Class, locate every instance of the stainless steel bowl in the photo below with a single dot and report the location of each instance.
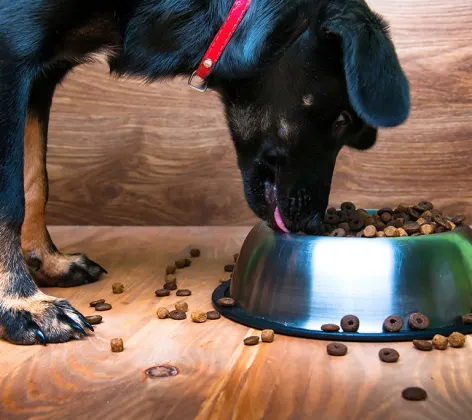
(295, 283)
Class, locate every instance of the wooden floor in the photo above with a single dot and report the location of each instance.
(219, 377)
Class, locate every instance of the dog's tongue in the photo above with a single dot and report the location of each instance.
(279, 221)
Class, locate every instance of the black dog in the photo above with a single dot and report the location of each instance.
(299, 79)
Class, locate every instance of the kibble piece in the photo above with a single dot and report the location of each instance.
(440, 342)
(467, 319)
(442, 221)
(384, 210)
(426, 229)
(251, 341)
(427, 214)
(178, 315)
(423, 345)
(116, 345)
(421, 221)
(401, 232)
(386, 217)
(350, 323)
(330, 328)
(336, 349)
(380, 234)
(94, 319)
(363, 214)
(458, 219)
(338, 232)
(380, 226)
(162, 313)
(170, 269)
(97, 302)
(235, 257)
(331, 219)
(356, 224)
(118, 288)
(213, 315)
(162, 292)
(414, 214)
(103, 307)
(393, 323)
(195, 252)
(402, 208)
(389, 355)
(226, 301)
(370, 221)
(370, 231)
(183, 292)
(229, 268)
(348, 206)
(267, 336)
(199, 317)
(456, 339)
(452, 226)
(391, 232)
(170, 286)
(170, 278)
(398, 223)
(188, 262)
(414, 394)
(331, 210)
(418, 321)
(180, 263)
(344, 226)
(181, 306)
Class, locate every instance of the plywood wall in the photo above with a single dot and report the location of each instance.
(124, 153)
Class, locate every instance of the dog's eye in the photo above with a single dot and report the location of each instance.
(341, 124)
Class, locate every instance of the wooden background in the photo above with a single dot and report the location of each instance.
(125, 153)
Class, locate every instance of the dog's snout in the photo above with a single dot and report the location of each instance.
(274, 158)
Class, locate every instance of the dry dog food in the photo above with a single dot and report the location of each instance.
(251, 341)
(336, 349)
(188, 262)
(267, 336)
(393, 323)
(226, 301)
(330, 328)
(229, 268)
(389, 355)
(116, 345)
(456, 339)
(118, 288)
(103, 307)
(94, 319)
(213, 315)
(181, 306)
(418, 321)
(420, 219)
(170, 269)
(414, 394)
(199, 317)
(162, 292)
(97, 302)
(180, 263)
(170, 278)
(423, 345)
(467, 319)
(350, 323)
(178, 315)
(440, 342)
(195, 252)
(183, 292)
(170, 286)
(162, 313)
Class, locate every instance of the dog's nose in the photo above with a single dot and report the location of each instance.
(274, 158)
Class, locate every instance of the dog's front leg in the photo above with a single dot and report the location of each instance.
(27, 316)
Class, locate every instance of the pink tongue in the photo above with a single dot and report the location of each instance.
(279, 221)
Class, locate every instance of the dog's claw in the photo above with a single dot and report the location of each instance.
(77, 327)
(40, 336)
(101, 268)
(86, 323)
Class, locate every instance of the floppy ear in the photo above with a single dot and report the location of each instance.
(378, 89)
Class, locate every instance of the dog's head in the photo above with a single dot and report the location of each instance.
(331, 86)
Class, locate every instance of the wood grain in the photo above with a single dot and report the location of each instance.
(219, 377)
(125, 153)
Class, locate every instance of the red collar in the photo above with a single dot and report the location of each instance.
(218, 45)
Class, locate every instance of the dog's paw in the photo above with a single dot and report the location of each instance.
(54, 269)
(40, 319)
